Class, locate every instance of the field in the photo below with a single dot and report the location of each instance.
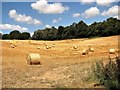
(62, 65)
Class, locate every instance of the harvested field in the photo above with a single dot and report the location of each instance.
(61, 66)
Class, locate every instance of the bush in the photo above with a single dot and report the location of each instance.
(108, 74)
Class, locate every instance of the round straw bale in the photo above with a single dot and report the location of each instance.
(33, 58)
(47, 47)
(12, 46)
(68, 41)
(84, 52)
(45, 43)
(15, 44)
(91, 49)
(50, 47)
(53, 45)
(29, 42)
(38, 47)
(75, 47)
(112, 51)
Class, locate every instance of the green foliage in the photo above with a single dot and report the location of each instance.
(16, 35)
(46, 34)
(0, 35)
(109, 74)
(25, 35)
(80, 30)
(5, 36)
(60, 32)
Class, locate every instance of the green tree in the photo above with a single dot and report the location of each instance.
(81, 29)
(5, 36)
(108, 27)
(0, 35)
(15, 34)
(59, 32)
(25, 35)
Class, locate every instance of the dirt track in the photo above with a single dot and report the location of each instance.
(62, 66)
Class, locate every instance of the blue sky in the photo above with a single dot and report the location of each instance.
(41, 15)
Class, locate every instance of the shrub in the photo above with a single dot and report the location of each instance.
(108, 74)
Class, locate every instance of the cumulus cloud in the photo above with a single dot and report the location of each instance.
(99, 2)
(75, 15)
(105, 2)
(48, 26)
(42, 6)
(87, 1)
(113, 11)
(23, 18)
(91, 12)
(57, 20)
(12, 27)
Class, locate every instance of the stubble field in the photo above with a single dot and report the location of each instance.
(61, 66)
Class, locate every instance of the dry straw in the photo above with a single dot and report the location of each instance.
(12, 46)
(33, 59)
(38, 47)
(112, 51)
(75, 47)
(91, 49)
(85, 52)
(47, 47)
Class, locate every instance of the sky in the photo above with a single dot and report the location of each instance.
(31, 16)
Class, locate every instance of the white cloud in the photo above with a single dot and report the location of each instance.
(75, 15)
(91, 12)
(48, 26)
(118, 17)
(113, 11)
(42, 6)
(57, 20)
(12, 27)
(105, 2)
(99, 2)
(87, 1)
(23, 18)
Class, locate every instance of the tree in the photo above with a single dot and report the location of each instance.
(0, 35)
(15, 34)
(25, 35)
(59, 32)
(38, 35)
(5, 36)
(80, 30)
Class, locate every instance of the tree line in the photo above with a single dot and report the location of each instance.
(17, 35)
(80, 30)
(108, 27)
